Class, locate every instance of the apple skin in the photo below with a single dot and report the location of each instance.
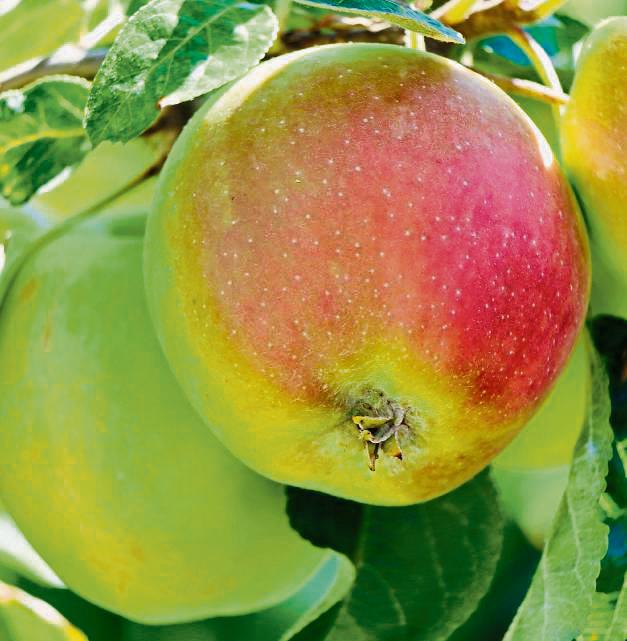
(361, 224)
(105, 467)
(594, 148)
(531, 473)
(548, 439)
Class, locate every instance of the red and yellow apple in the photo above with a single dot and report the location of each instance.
(366, 270)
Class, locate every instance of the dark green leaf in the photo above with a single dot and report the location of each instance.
(41, 134)
(135, 5)
(394, 12)
(171, 51)
(421, 570)
(614, 564)
(563, 588)
(326, 521)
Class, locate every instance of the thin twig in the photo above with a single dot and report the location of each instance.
(540, 60)
(527, 88)
(85, 67)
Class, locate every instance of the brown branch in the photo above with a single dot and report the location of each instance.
(85, 67)
(527, 88)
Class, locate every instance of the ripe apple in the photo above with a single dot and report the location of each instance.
(366, 270)
(594, 145)
(105, 467)
(531, 473)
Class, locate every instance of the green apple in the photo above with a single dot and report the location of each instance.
(105, 467)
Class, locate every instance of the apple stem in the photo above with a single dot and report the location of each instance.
(526, 88)
(377, 428)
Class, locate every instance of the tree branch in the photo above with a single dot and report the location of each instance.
(85, 67)
(527, 88)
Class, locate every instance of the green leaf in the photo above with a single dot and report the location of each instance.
(607, 620)
(134, 5)
(17, 555)
(171, 51)
(35, 28)
(617, 630)
(24, 618)
(561, 593)
(394, 12)
(41, 134)
(420, 570)
(279, 623)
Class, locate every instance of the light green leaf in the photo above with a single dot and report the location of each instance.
(420, 570)
(41, 134)
(394, 12)
(607, 620)
(24, 618)
(171, 51)
(561, 594)
(617, 630)
(34, 28)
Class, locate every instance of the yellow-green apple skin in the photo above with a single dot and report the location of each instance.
(359, 232)
(105, 467)
(531, 473)
(594, 149)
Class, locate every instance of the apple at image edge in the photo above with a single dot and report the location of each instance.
(105, 467)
